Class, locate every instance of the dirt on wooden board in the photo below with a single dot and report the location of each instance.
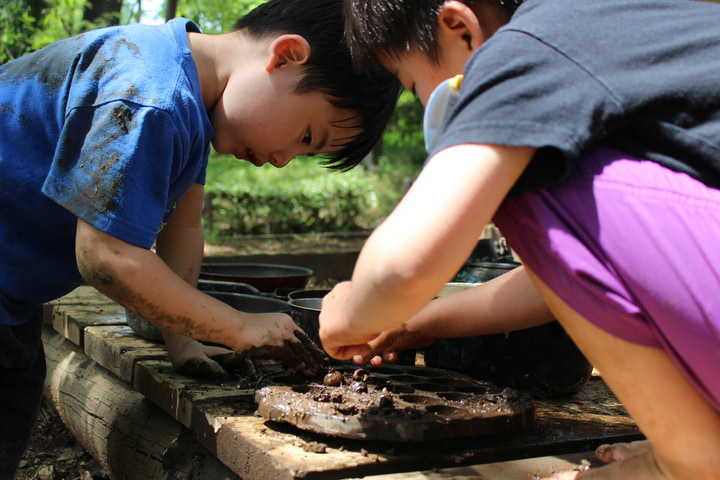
(54, 454)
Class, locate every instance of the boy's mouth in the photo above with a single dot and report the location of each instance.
(249, 155)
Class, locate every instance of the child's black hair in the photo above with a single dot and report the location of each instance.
(330, 70)
(390, 27)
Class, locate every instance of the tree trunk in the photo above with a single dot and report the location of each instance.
(103, 12)
(170, 9)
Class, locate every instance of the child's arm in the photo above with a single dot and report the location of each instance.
(139, 280)
(490, 308)
(421, 245)
(180, 245)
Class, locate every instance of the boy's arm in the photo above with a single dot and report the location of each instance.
(180, 245)
(421, 245)
(138, 279)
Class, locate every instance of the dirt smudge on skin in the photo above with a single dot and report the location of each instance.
(303, 355)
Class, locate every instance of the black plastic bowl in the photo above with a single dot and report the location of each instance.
(306, 314)
(542, 360)
(299, 294)
(252, 303)
(263, 276)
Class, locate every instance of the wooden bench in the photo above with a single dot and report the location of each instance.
(120, 396)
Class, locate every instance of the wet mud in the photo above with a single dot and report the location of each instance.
(395, 403)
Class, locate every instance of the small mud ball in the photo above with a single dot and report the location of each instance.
(358, 387)
(333, 378)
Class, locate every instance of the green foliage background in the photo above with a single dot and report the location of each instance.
(241, 198)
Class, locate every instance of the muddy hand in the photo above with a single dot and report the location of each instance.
(235, 363)
(302, 355)
(199, 360)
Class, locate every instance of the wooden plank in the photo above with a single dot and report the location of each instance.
(591, 418)
(530, 468)
(84, 295)
(83, 307)
(244, 443)
(76, 320)
(178, 394)
(118, 349)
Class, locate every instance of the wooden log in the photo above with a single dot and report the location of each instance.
(128, 435)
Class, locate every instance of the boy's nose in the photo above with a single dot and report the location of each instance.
(279, 160)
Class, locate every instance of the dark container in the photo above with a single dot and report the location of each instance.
(263, 276)
(542, 360)
(229, 287)
(297, 294)
(306, 314)
(252, 303)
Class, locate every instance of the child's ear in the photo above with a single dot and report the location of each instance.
(459, 22)
(287, 49)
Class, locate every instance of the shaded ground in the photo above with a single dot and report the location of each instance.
(54, 454)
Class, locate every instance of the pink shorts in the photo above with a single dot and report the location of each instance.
(634, 248)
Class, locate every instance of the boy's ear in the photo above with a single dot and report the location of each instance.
(287, 49)
(458, 22)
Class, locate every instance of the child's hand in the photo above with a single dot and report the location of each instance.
(385, 347)
(197, 359)
(276, 336)
(338, 336)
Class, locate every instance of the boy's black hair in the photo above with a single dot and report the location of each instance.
(330, 70)
(390, 27)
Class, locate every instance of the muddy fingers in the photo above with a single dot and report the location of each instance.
(302, 355)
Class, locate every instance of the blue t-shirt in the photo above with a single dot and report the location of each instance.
(109, 127)
(565, 76)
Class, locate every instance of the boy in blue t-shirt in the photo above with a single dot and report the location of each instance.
(589, 132)
(104, 145)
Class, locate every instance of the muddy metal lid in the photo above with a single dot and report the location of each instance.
(396, 403)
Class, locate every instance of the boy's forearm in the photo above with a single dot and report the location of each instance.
(180, 245)
(139, 280)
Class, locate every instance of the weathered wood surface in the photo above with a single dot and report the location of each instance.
(83, 307)
(221, 417)
(130, 437)
(515, 470)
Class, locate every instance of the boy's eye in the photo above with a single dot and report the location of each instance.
(307, 139)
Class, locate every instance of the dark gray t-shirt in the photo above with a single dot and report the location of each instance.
(565, 76)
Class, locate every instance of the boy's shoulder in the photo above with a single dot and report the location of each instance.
(145, 64)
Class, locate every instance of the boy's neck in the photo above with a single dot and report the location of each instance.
(216, 57)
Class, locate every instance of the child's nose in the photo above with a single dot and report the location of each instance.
(279, 160)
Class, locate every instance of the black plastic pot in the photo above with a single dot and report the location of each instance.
(265, 277)
(306, 314)
(229, 287)
(542, 361)
(297, 294)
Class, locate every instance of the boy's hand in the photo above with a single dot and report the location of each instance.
(199, 360)
(275, 336)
